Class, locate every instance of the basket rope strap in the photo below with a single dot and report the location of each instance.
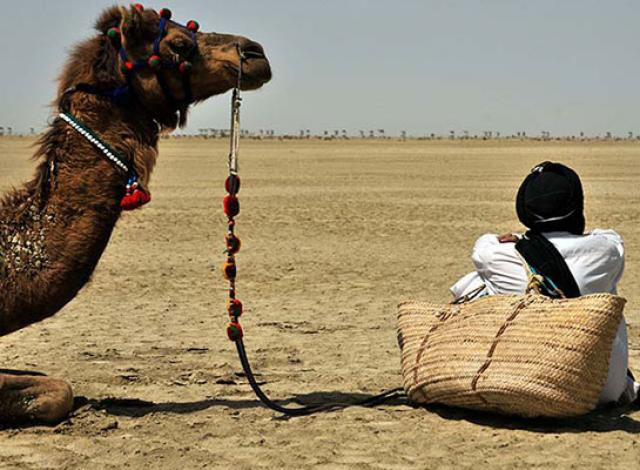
(483, 368)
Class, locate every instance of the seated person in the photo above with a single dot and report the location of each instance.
(550, 203)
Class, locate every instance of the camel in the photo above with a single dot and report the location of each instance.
(127, 84)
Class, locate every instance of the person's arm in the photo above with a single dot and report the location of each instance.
(466, 285)
(499, 266)
(612, 244)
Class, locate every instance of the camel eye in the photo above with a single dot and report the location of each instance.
(182, 48)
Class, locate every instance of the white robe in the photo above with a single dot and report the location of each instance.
(596, 261)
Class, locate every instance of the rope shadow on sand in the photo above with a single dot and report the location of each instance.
(136, 408)
(602, 420)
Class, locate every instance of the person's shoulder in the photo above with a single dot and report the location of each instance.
(488, 249)
(607, 239)
(605, 234)
(488, 239)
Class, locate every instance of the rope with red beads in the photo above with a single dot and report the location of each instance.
(231, 206)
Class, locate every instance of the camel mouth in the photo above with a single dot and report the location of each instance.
(256, 71)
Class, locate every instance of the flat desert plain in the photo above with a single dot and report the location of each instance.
(335, 234)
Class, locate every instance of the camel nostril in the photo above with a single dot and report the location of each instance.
(252, 49)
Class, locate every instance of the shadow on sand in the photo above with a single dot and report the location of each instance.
(601, 420)
(133, 407)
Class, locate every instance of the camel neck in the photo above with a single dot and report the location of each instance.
(54, 229)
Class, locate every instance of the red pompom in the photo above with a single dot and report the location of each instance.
(155, 62)
(231, 205)
(139, 6)
(114, 34)
(234, 331)
(232, 184)
(229, 269)
(193, 26)
(134, 200)
(165, 13)
(234, 307)
(126, 67)
(233, 243)
(185, 67)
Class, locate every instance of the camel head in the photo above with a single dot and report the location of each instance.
(169, 65)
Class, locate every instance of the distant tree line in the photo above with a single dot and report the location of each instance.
(378, 134)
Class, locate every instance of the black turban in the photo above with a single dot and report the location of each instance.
(551, 200)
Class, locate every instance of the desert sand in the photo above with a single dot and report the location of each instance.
(335, 234)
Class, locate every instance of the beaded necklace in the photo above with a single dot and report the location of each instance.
(134, 196)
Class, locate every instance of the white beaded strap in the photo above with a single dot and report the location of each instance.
(107, 151)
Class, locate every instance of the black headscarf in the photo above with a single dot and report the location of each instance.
(551, 199)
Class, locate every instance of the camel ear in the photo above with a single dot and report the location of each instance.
(108, 19)
(132, 23)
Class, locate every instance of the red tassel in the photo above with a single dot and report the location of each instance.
(134, 200)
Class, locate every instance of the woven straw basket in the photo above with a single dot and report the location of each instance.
(525, 355)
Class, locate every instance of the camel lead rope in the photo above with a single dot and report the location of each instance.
(231, 207)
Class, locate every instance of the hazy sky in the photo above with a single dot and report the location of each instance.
(424, 66)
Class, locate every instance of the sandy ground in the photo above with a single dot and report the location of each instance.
(335, 235)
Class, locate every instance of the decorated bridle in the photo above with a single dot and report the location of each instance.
(155, 61)
(135, 196)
